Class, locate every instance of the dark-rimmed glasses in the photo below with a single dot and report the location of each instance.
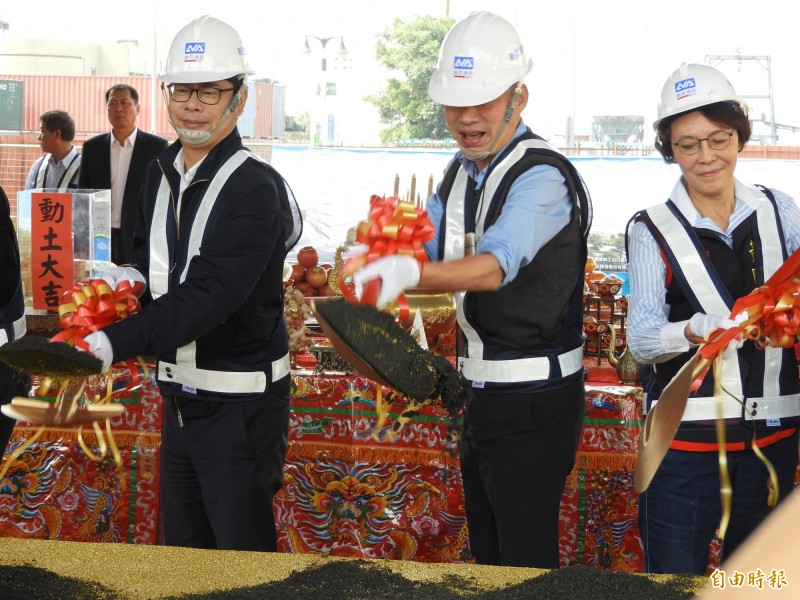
(206, 94)
(718, 140)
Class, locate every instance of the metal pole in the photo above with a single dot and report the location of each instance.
(154, 80)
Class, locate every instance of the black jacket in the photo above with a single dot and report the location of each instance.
(95, 174)
(231, 302)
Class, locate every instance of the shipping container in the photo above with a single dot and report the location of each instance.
(84, 98)
(264, 109)
(11, 99)
(279, 112)
(247, 121)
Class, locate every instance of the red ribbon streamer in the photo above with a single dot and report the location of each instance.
(91, 306)
(773, 313)
(393, 227)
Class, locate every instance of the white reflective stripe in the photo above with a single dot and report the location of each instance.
(225, 382)
(490, 184)
(454, 230)
(19, 327)
(474, 341)
(69, 174)
(185, 355)
(42, 172)
(705, 408)
(523, 369)
(571, 362)
(691, 265)
(772, 257)
(207, 204)
(159, 249)
(773, 360)
(281, 367)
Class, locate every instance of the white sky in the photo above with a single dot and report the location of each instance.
(601, 57)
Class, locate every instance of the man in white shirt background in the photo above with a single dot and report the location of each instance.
(58, 167)
(117, 161)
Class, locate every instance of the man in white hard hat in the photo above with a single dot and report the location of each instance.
(215, 224)
(511, 217)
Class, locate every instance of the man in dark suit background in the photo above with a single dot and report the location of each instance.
(117, 161)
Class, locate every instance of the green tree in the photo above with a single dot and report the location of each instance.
(410, 49)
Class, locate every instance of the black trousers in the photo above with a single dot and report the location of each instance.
(516, 453)
(221, 469)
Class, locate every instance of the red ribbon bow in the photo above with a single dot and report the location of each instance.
(393, 227)
(773, 313)
(91, 306)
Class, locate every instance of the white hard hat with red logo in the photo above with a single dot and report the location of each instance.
(480, 58)
(691, 86)
(206, 49)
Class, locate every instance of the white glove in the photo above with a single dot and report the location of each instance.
(701, 326)
(100, 347)
(397, 273)
(115, 275)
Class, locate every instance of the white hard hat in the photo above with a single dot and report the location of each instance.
(691, 86)
(205, 50)
(480, 58)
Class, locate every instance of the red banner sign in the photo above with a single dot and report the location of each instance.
(51, 248)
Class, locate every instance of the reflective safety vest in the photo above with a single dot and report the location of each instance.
(762, 389)
(517, 358)
(185, 371)
(68, 180)
(12, 318)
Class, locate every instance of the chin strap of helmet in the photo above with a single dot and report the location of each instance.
(501, 129)
(194, 136)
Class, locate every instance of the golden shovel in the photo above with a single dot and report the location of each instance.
(663, 420)
(66, 410)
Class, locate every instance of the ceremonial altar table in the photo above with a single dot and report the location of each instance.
(345, 493)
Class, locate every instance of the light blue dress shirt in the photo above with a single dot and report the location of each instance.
(538, 206)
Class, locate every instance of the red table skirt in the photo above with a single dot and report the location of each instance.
(345, 493)
(53, 490)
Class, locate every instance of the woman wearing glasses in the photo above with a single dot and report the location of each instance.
(713, 241)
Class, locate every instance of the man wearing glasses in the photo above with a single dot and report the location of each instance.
(117, 161)
(714, 241)
(215, 224)
(58, 167)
